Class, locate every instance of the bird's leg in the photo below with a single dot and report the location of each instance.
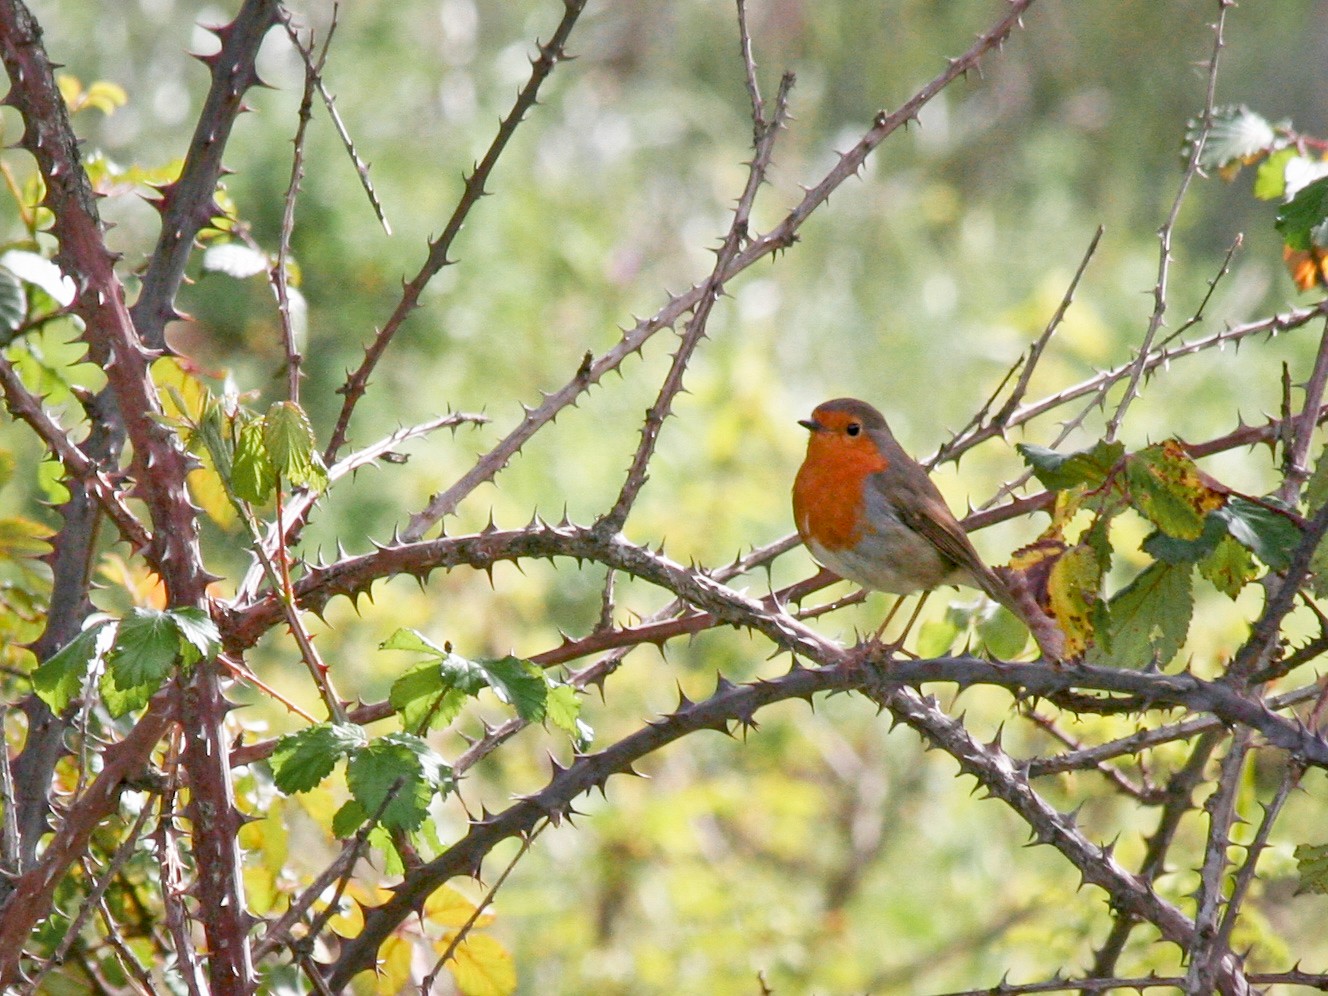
(897, 645)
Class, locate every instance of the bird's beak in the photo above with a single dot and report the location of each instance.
(811, 425)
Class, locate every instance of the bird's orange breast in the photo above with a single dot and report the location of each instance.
(827, 493)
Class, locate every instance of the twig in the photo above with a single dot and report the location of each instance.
(315, 73)
(550, 54)
(1295, 458)
(1164, 234)
(426, 986)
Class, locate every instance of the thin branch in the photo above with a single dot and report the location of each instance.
(1168, 227)
(550, 54)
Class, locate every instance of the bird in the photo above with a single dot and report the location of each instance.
(871, 513)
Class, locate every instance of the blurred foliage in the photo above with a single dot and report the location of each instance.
(822, 853)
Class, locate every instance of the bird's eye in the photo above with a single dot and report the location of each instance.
(853, 428)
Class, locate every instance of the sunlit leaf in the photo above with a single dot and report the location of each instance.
(22, 538)
(1236, 135)
(1058, 471)
(199, 638)
(520, 684)
(481, 966)
(59, 679)
(425, 698)
(289, 440)
(1270, 181)
(448, 908)
(395, 777)
(146, 647)
(303, 759)
(252, 475)
(35, 269)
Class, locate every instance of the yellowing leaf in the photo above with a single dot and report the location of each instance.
(449, 908)
(1072, 590)
(394, 959)
(1170, 491)
(482, 967)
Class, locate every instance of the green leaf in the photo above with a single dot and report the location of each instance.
(199, 638)
(520, 684)
(1270, 534)
(1175, 550)
(252, 474)
(303, 759)
(120, 700)
(1167, 489)
(1149, 619)
(1312, 864)
(348, 819)
(1270, 181)
(395, 777)
(146, 647)
(414, 642)
(426, 698)
(1301, 219)
(1230, 567)
(1059, 472)
(59, 679)
(563, 707)
(289, 439)
(13, 302)
(1002, 634)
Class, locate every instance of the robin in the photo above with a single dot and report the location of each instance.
(870, 513)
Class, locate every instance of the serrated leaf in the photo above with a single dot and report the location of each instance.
(395, 777)
(146, 647)
(1272, 535)
(199, 638)
(1150, 618)
(40, 272)
(414, 642)
(481, 966)
(289, 439)
(1312, 866)
(520, 684)
(234, 259)
(13, 302)
(59, 679)
(427, 698)
(1236, 135)
(446, 907)
(252, 474)
(121, 700)
(303, 759)
(1270, 180)
(1072, 591)
(1230, 567)
(1300, 172)
(1167, 488)
(1058, 471)
(1300, 219)
(562, 707)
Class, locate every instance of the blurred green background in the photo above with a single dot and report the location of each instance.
(818, 851)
